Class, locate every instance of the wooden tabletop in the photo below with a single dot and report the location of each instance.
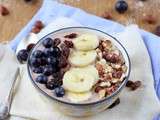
(21, 13)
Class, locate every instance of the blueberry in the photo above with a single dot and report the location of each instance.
(48, 42)
(37, 70)
(52, 61)
(48, 52)
(38, 54)
(42, 79)
(43, 61)
(48, 70)
(35, 62)
(56, 69)
(22, 55)
(121, 6)
(59, 91)
(56, 52)
(54, 83)
(58, 75)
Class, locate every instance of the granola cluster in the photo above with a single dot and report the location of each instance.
(111, 68)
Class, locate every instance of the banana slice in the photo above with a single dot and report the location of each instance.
(75, 80)
(78, 97)
(86, 42)
(91, 70)
(81, 58)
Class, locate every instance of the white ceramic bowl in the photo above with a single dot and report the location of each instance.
(82, 109)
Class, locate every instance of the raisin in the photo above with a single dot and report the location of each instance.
(69, 43)
(129, 83)
(117, 74)
(133, 85)
(98, 88)
(35, 30)
(65, 50)
(58, 75)
(150, 19)
(111, 57)
(39, 24)
(30, 46)
(63, 62)
(107, 15)
(56, 41)
(3, 10)
(71, 36)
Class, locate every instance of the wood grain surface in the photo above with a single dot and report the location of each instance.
(21, 13)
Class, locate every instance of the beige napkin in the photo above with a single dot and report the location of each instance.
(141, 104)
(8, 67)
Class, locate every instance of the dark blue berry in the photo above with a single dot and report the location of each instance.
(38, 70)
(53, 83)
(58, 75)
(48, 42)
(42, 79)
(121, 6)
(52, 61)
(22, 55)
(59, 91)
(48, 70)
(48, 52)
(56, 52)
(35, 62)
(38, 54)
(43, 61)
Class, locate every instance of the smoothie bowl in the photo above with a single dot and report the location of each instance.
(80, 71)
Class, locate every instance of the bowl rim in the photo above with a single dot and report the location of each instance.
(81, 104)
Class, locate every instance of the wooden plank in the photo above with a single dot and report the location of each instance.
(21, 13)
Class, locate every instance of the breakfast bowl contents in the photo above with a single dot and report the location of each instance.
(80, 70)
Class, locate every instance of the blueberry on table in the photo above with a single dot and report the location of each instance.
(52, 61)
(121, 6)
(38, 70)
(59, 91)
(42, 79)
(22, 55)
(48, 70)
(48, 42)
(38, 54)
(35, 62)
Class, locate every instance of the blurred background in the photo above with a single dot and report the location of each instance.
(145, 13)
